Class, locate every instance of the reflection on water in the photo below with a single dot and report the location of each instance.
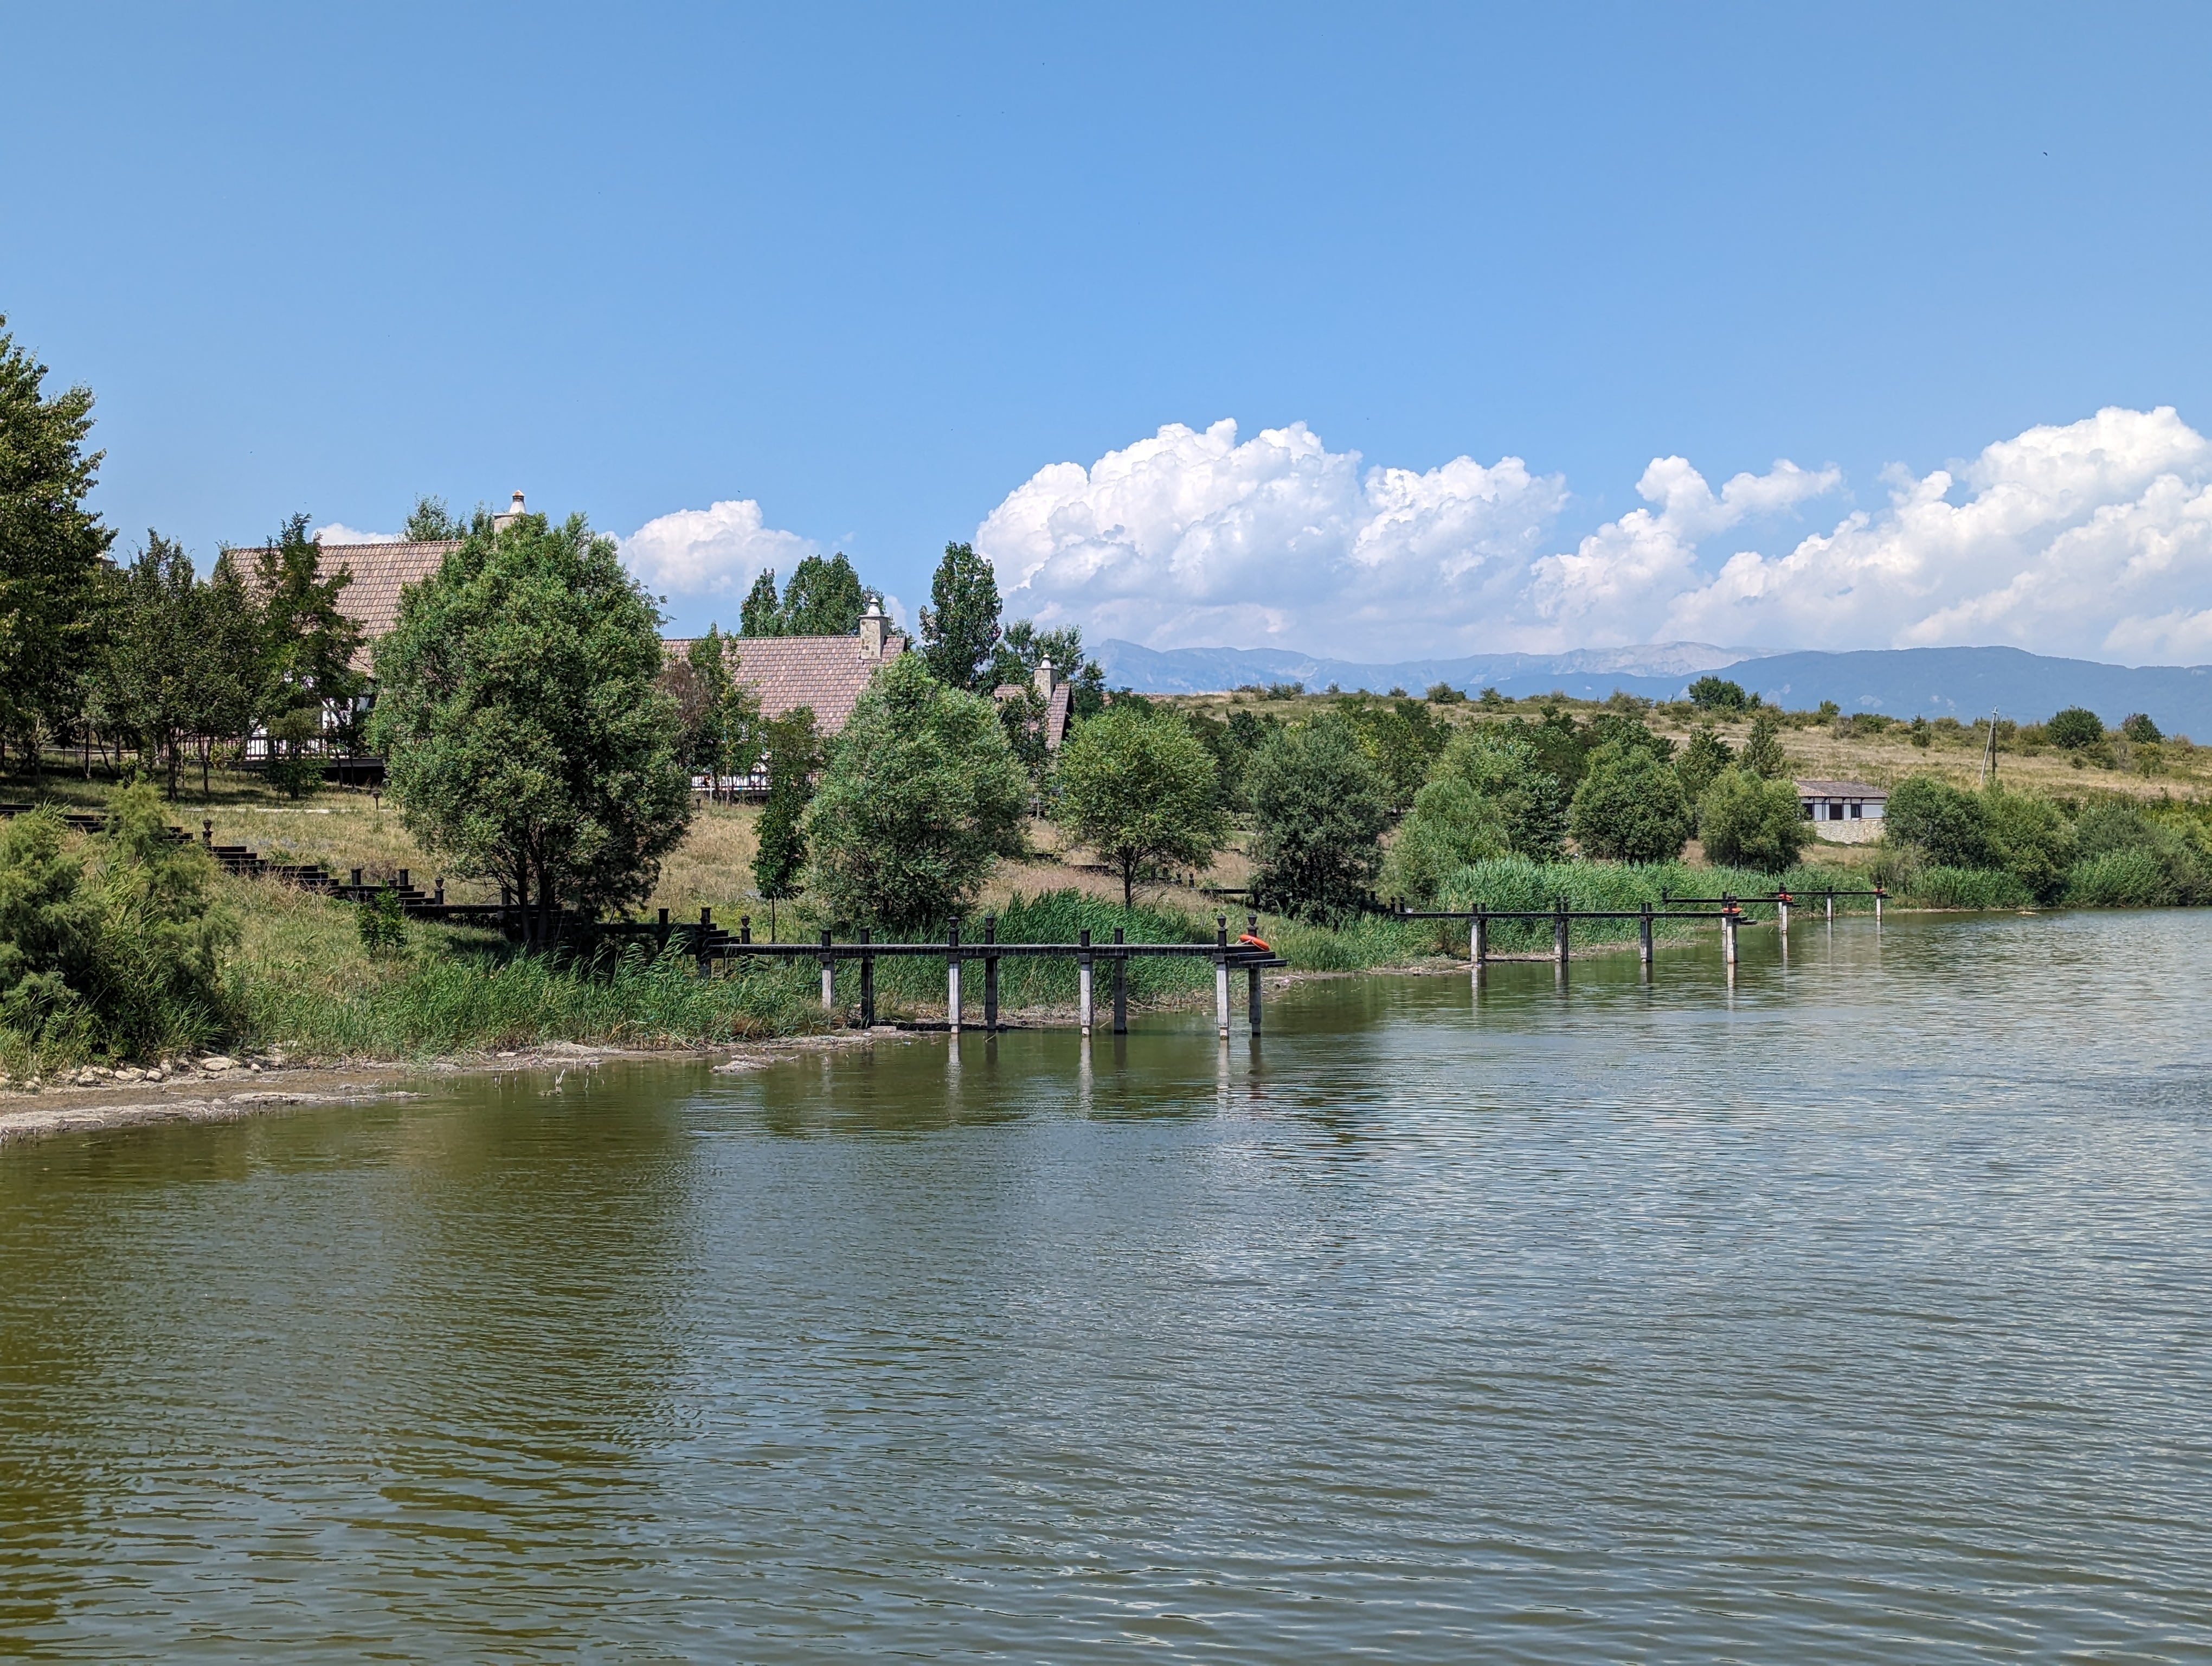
(1856, 1311)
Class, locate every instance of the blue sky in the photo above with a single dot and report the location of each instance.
(871, 271)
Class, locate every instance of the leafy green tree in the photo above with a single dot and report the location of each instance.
(960, 627)
(1627, 727)
(1557, 743)
(2139, 728)
(1630, 807)
(1499, 765)
(50, 547)
(1451, 825)
(431, 522)
(1718, 694)
(49, 926)
(1946, 827)
(309, 684)
(794, 760)
(1747, 821)
(826, 598)
(1319, 811)
(1702, 761)
(1762, 749)
(1025, 647)
(1402, 740)
(921, 797)
(231, 667)
(1141, 788)
(2029, 839)
(2075, 727)
(148, 684)
(719, 717)
(761, 614)
(524, 738)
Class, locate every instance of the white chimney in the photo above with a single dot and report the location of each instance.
(514, 513)
(1043, 678)
(872, 632)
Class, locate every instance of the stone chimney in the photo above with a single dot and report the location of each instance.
(514, 513)
(1043, 678)
(872, 632)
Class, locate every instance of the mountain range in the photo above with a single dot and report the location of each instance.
(1965, 683)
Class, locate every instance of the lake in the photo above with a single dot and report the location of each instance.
(1862, 1311)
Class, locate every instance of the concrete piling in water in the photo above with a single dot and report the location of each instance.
(1832, 908)
(1643, 940)
(990, 976)
(829, 976)
(1728, 932)
(1120, 986)
(1478, 945)
(1877, 905)
(953, 978)
(1782, 902)
(1221, 974)
(1082, 980)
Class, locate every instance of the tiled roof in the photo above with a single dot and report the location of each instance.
(1839, 789)
(829, 673)
(380, 572)
(1055, 710)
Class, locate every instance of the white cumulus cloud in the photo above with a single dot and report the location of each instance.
(2092, 537)
(1190, 538)
(338, 533)
(715, 551)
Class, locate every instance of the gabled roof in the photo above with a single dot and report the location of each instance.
(1839, 789)
(379, 572)
(829, 673)
(1055, 710)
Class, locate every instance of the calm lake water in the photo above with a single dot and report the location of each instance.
(1864, 1313)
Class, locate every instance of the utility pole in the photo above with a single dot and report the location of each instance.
(1990, 753)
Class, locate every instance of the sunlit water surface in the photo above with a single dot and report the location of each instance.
(1859, 1314)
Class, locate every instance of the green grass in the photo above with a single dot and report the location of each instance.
(1514, 883)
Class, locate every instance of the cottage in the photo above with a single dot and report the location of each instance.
(1054, 693)
(829, 673)
(1844, 812)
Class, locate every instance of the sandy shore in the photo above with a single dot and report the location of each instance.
(226, 1096)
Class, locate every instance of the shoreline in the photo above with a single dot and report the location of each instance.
(251, 1089)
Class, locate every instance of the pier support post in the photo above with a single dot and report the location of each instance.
(706, 966)
(1221, 975)
(1559, 930)
(1781, 902)
(1477, 945)
(1878, 894)
(1083, 979)
(1252, 978)
(828, 974)
(1120, 986)
(1643, 940)
(1728, 932)
(867, 984)
(990, 976)
(952, 977)
(745, 928)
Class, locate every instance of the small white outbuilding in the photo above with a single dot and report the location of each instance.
(1846, 812)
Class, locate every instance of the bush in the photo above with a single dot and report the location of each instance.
(1745, 822)
(1971, 888)
(1717, 694)
(2029, 839)
(1320, 811)
(381, 922)
(2139, 728)
(1450, 825)
(1630, 807)
(1443, 694)
(1502, 767)
(120, 955)
(1944, 824)
(2075, 727)
(2131, 878)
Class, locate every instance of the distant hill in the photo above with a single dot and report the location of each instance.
(1933, 682)
(1204, 670)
